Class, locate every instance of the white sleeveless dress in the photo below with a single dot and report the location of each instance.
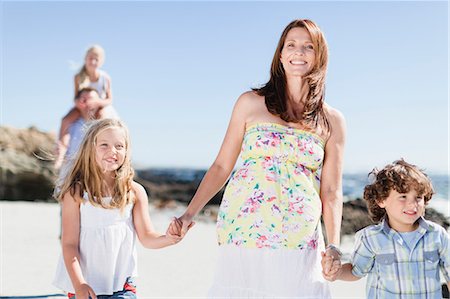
(100, 85)
(107, 249)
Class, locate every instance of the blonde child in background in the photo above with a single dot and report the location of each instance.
(103, 210)
(403, 253)
(90, 76)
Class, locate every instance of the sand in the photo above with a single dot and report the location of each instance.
(29, 249)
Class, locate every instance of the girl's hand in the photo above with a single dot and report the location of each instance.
(331, 267)
(84, 291)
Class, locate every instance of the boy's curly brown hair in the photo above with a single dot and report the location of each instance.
(399, 176)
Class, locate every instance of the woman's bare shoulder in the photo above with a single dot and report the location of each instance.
(249, 105)
(337, 122)
(250, 101)
(335, 117)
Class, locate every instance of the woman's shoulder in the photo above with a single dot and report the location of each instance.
(333, 114)
(250, 100)
(248, 105)
(336, 119)
(250, 96)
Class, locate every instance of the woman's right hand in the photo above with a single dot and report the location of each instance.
(84, 291)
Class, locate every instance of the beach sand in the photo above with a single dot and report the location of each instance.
(29, 251)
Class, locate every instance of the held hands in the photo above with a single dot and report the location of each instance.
(84, 291)
(186, 224)
(172, 233)
(331, 264)
(179, 226)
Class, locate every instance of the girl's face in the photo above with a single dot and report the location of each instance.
(93, 61)
(110, 149)
(298, 53)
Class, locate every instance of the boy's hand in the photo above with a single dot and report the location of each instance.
(331, 267)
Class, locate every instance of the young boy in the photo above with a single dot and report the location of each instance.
(401, 254)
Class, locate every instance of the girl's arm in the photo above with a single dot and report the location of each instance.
(108, 100)
(331, 178)
(70, 242)
(144, 228)
(221, 168)
(76, 84)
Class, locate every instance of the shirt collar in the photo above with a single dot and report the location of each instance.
(424, 226)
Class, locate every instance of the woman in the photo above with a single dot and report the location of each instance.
(269, 228)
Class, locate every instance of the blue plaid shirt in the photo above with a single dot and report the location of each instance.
(397, 271)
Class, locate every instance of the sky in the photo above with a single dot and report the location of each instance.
(177, 69)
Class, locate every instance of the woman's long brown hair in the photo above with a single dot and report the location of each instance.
(275, 91)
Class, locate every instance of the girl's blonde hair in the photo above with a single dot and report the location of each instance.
(82, 74)
(86, 175)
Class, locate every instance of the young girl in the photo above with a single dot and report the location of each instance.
(90, 75)
(103, 210)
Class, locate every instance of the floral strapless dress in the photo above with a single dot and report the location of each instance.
(268, 224)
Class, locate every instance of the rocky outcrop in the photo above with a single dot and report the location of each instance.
(26, 166)
(167, 185)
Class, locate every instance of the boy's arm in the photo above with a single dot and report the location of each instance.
(363, 258)
(144, 228)
(346, 273)
(444, 255)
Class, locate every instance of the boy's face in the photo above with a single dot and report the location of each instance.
(403, 210)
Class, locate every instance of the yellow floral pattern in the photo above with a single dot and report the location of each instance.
(272, 200)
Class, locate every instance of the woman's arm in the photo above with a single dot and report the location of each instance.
(70, 242)
(221, 168)
(331, 179)
(144, 228)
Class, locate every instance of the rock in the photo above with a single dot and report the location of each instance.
(162, 186)
(26, 167)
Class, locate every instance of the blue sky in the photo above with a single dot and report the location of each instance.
(177, 69)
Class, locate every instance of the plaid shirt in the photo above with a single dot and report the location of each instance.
(397, 271)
